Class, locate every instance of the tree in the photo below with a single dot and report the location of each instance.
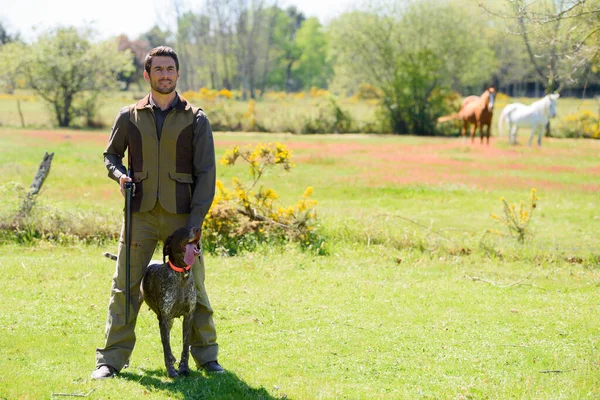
(71, 74)
(11, 65)
(138, 50)
(291, 50)
(6, 37)
(412, 51)
(250, 28)
(156, 37)
(313, 67)
(558, 35)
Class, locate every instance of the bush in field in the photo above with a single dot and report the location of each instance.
(581, 124)
(517, 220)
(248, 215)
(51, 224)
(368, 92)
(329, 118)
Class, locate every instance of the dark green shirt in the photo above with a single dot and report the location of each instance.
(160, 115)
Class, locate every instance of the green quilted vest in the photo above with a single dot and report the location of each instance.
(162, 169)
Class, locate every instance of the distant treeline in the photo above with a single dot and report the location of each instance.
(417, 56)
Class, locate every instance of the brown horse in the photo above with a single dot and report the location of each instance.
(477, 111)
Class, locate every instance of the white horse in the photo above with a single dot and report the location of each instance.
(535, 116)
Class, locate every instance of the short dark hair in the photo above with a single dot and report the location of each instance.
(160, 51)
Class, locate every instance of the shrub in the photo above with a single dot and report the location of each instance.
(330, 118)
(244, 217)
(581, 124)
(517, 221)
(368, 92)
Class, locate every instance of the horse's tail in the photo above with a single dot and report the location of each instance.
(448, 118)
(501, 121)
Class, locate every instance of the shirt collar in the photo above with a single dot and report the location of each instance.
(172, 105)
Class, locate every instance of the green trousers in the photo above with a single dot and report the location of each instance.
(147, 228)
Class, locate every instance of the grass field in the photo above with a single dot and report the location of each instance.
(270, 112)
(414, 299)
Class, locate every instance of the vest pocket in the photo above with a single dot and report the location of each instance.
(139, 176)
(181, 177)
(138, 193)
(183, 191)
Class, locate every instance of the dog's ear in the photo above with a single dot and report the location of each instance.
(167, 248)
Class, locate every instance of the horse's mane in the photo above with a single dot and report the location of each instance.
(543, 103)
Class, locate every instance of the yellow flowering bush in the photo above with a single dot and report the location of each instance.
(250, 214)
(517, 219)
(316, 92)
(502, 97)
(580, 124)
(368, 92)
(208, 95)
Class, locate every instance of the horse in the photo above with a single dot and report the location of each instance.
(477, 111)
(535, 116)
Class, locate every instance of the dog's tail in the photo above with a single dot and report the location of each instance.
(111, 256)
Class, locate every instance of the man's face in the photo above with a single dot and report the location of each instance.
(163, 75)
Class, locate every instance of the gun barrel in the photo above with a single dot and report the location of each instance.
(128, 189)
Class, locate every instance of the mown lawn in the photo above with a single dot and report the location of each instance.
(415, 299)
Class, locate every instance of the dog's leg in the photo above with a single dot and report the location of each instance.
(165, 337)
(185, 352)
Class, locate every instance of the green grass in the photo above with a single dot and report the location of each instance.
(414, 299)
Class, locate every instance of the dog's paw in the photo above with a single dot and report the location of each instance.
(172, 372)
(184, 370)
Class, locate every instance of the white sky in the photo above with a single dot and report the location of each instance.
(113, 17)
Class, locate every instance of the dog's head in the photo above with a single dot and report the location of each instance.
(182, 246)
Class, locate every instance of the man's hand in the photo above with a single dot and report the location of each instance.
(122, 180)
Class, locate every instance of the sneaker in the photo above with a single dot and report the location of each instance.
(213, 367)
(103, 372)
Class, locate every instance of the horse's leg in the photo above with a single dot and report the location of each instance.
(463, 131)
(533, 130)
(542, 131)
(480, 126)
(487, 133)
(513, 133)
(473, 129)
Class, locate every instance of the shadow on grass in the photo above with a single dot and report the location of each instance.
(198, 385)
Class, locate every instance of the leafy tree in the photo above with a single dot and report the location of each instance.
(413, 52)
(71, 74)
(6, 37)
(138, 50)
(313, 67)
(291, 51)
(156, 37)
(11, 65)
(559, 36)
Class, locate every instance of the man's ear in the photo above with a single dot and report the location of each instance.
(146, 76)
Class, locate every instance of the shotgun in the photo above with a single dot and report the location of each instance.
(128, 190)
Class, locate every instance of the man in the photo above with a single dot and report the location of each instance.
(171, 161)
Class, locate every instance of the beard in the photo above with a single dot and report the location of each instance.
(164, 86)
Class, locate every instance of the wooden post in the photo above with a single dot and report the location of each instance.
(36, 186)
(20, 113)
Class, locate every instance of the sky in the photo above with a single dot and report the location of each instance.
(113, 17)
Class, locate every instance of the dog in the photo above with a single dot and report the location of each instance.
(168, 289)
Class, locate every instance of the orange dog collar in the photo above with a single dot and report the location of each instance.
(178, 269)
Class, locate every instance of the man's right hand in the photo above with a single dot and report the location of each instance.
(122, 180)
